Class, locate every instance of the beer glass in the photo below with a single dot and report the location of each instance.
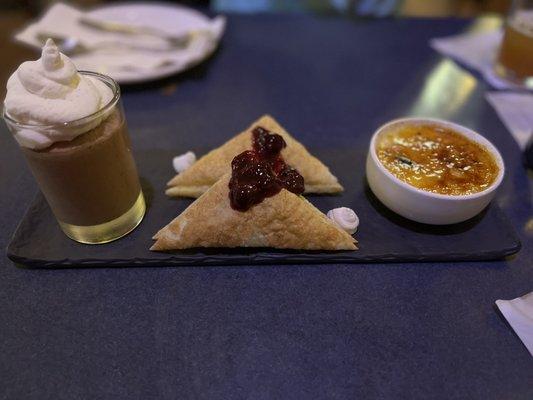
(515, 57)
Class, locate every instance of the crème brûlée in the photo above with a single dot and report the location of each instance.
(436, 159)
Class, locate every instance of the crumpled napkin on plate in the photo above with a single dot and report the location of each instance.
(516, 112)
(111, 53)
(477, 51)
(519, 313)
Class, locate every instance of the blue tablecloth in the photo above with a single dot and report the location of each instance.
(392, 331)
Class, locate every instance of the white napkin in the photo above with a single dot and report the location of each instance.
(516, 112)
(519, 313)
(115, 52)
(477, 51)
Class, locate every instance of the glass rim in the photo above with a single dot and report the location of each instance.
(107, 79)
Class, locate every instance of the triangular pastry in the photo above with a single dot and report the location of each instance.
(210, 168)
(284, 220)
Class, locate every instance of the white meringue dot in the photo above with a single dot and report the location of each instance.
(183, 161)
(345, 218)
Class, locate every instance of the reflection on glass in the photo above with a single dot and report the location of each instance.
(447, 88)
(528, 227)
(484, 24)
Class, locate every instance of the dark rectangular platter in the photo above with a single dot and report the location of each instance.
(383, 236)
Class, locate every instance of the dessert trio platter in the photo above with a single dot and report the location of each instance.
(257, 198)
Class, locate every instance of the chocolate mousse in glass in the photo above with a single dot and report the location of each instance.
(71, 128)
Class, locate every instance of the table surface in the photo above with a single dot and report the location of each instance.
(378, 331)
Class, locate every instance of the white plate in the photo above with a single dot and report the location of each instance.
(170, 18)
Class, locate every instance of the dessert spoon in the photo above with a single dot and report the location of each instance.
(70, 45)
(181, 40)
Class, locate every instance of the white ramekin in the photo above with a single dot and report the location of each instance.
(420, 205)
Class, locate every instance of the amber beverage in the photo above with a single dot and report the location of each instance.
(91, 182)
(515, 58)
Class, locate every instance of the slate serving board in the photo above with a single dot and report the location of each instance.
(383, 236)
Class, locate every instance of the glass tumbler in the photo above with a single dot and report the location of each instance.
(91, 182)
(515, 57)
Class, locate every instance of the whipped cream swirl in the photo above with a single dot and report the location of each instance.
(51, 91)
(345, 218)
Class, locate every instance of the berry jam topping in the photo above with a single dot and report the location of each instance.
(267, 145)
(291, 180)
(260, 173)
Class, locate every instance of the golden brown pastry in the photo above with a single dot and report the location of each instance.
(284, 221)
(210, 168)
